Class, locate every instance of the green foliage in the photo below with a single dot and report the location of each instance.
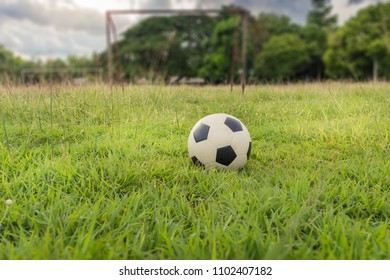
(265, 25)
(319, 24)
(81, 61)
(321, 16)
(10, 65)
(355, 47)
(283, 58)
(261, 29)
(217, 61)
(160, 47)
(100, 173)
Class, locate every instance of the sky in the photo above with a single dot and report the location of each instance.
(48, 29)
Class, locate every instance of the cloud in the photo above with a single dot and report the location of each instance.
(351, 2)
(34, 41)
(62, 15)
(345, 9)
(364, 2)
(52, 28)
(295, 9)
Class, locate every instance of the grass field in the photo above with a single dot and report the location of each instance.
(95, 173)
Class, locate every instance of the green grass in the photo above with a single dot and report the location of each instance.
(96, 173)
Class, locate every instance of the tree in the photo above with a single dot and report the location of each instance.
(160, 47)
(319, 24)
(266, 25)
(10, 65)
(284, 57)
(321, 16)
(261, 29)
(79, 61)
(218, 59)
(220, 62)
(360, 49)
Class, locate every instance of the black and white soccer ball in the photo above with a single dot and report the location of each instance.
(221, 141)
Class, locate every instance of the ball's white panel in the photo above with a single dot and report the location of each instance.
(220, 135)
(216, 165)
(239, 162)
(203, 151)
(214, 119)
(240, 142)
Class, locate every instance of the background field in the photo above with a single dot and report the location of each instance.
(96, 173)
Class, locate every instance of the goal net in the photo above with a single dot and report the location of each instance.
(72, 75)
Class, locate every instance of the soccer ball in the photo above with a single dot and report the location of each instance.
(221, 141)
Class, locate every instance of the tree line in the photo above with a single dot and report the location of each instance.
(160, 48)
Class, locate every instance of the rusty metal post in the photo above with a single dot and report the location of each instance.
(243, 49)
(234, 59)
(117, 53)
(109, 50)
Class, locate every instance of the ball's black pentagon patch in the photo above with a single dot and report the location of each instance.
(233, 124)
(226, 155)
(248, 153)
(196, 161)
(201, 133)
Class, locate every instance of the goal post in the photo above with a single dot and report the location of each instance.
(111, 30)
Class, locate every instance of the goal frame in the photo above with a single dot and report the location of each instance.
(111, 30)
(61, 70)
